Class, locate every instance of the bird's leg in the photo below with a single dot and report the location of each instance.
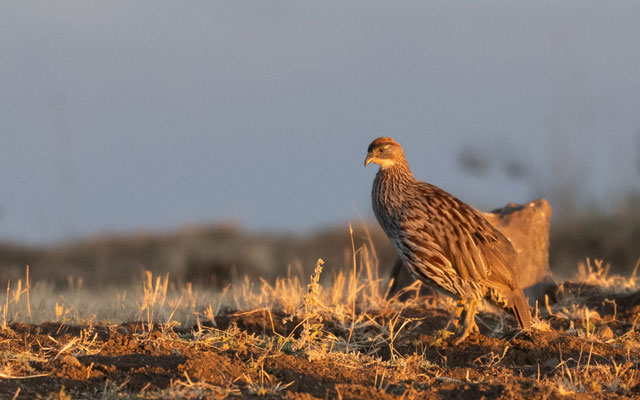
(455, 318)
(469, 322)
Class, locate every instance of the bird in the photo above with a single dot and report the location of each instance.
(444, 242)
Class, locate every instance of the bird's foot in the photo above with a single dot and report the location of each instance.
(466, 331)
(452, 327)
(454, 323)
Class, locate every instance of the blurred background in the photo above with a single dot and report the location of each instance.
(213, 139)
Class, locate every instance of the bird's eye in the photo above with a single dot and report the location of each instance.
(381, 150)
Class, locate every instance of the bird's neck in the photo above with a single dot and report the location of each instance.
(393, 179)
(399, 171)
(388, 186)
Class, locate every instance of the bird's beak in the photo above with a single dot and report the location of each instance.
(368, 160)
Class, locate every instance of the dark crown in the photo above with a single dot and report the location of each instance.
(381, 141)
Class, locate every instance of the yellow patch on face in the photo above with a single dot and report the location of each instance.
(384, 162)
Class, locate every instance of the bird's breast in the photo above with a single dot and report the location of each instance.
(388, 203)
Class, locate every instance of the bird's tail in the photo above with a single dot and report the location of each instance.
(521, 308)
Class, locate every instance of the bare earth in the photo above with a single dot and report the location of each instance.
(395, 352)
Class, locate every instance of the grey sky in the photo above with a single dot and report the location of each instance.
(128, 115)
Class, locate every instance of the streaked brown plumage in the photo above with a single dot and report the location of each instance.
(443, 241)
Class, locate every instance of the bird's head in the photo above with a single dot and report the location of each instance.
(385, 152)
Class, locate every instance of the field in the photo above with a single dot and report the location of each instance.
(335, 335)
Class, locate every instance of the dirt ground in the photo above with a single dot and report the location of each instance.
(591, 351)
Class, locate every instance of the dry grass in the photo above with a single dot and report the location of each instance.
(342, 323)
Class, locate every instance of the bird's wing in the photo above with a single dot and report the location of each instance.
(476, 250)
